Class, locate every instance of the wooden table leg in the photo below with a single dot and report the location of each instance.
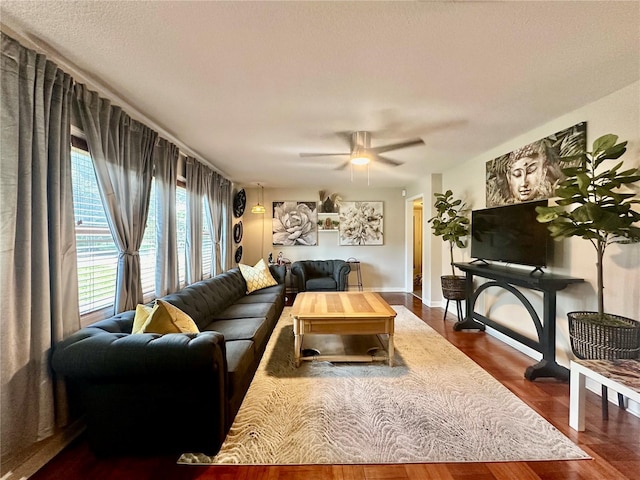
(391, 351)
(297, 341)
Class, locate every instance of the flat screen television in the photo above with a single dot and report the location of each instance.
(510, 234)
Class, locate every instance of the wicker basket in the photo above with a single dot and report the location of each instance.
(453, 287)
(596, 341)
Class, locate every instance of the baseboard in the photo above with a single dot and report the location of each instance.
(529, 352)
(432, 304)
(386, 289)
(29, 461)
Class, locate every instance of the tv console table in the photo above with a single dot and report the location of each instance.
(508, 278)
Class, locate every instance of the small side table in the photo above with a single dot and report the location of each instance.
(623, 376)
(355, 267)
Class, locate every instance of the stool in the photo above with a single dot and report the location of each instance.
(459, 308)
(355, 267)
(621, 375)
(604, 391)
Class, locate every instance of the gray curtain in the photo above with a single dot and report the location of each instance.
(226, 242)
(211, 225)
(39, 293)
(215, 216)
(198, 176)
(122, 153)
(165, 162)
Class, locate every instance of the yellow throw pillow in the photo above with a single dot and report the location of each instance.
(257, 277)
(167, 318)
(142, 315)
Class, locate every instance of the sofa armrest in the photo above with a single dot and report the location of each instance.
(341, 275)
(278, 272)
(97, 354)
(298, 274)
(126, 385)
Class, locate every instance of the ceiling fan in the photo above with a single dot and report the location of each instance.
(362, 153)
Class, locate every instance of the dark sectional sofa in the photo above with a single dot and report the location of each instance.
(175, 393)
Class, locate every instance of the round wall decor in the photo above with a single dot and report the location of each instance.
(239, 254)
(237, 232)
(239, 203)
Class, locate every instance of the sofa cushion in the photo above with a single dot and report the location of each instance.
(257, 297)
(247, 310)
(240, 363)
(120, 323)
(202, 300)
(257, 277)
(256, 329)
(277, 289)
(321, 284)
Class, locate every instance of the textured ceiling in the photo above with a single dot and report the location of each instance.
(249, 85)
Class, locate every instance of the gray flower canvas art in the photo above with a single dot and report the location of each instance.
(295, 223)
(361, 223)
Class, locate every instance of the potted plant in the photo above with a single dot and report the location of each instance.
(596, 204)
(452, 224)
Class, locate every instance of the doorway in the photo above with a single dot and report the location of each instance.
(417, 247)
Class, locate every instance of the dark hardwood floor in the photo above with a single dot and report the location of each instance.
(614, 444)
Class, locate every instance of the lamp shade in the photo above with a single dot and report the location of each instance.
(259, 208)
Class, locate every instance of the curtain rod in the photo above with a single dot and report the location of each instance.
(81, 76)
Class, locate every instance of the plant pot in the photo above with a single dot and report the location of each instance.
(453, 287)
(592, 338)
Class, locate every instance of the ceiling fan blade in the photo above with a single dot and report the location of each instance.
(398, 125)
(388, 161)
(345, 136)
(396, 146)
(343, 165)
(323, 154)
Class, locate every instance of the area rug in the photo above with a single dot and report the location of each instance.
(434, 405)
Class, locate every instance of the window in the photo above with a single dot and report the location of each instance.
(181, 226)
(97, 253)
(148, 250)
(206, 242)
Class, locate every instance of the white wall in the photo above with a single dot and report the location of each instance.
(617, 113)
(383, 266)
(431, 246)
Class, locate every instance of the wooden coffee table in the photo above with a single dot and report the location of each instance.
(342, 313)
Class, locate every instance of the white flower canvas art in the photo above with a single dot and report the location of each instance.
(361, 223)
(295, 223)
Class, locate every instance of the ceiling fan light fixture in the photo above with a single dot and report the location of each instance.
(360, 157)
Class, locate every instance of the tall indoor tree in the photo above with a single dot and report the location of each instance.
(596, 203)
